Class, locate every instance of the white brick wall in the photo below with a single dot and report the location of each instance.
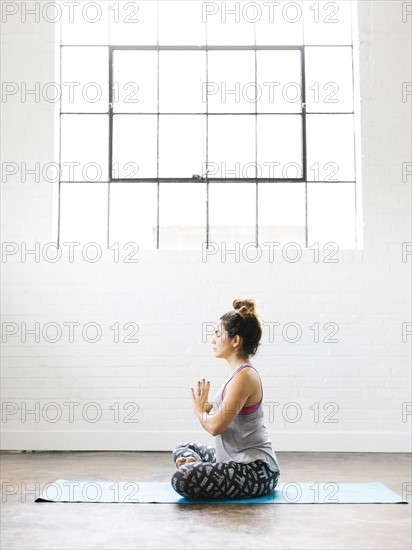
(363, 381)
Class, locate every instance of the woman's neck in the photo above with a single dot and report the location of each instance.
(236, 363)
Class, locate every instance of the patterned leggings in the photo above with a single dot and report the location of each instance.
(208, 479)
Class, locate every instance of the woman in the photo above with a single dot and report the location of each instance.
(242, 464)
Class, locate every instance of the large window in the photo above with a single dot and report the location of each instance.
(190, 122)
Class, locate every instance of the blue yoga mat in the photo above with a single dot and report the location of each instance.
(127, 492)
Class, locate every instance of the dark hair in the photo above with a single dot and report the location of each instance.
(244, 321)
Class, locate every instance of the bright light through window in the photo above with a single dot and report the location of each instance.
(190, 122)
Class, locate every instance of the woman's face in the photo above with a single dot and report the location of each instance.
(221, 342)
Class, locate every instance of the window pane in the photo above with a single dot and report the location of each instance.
(330, 147)
(231, 82)
(83, 213)
(231, 146)
(181, 23)
(279, 23)
(134, 81)
(232, 213)
(228, 23)
(329, 86)
(279, 149)
(281, 213)
(182, 215)
(182, 146)
(279, 81)
(182, 79)
(331, 214)
(135, 146)
(133, 23)
(133, 214)
(84, 23)
(85, 79)
(84, 142)
(327, 22)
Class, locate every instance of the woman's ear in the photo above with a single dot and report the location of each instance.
(237, 341)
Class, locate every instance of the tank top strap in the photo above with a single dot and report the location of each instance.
(236, 371)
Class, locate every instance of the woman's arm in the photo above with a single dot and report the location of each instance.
(236, 395)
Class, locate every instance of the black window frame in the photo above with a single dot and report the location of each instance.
(205, 177)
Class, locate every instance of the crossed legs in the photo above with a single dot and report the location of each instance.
(208, 479)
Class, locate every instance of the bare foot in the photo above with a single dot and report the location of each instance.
(184, 460)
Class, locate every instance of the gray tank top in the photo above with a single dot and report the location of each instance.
(246, 439)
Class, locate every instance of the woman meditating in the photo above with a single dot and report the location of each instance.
(242, 462)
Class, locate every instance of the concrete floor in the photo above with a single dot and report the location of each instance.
(58, 526)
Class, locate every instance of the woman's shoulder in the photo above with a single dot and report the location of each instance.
(249, 370)
(247, 374)
(250, 377)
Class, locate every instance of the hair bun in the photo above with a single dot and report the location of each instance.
(245, 307)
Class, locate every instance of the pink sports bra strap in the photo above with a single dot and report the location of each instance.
(251, 408)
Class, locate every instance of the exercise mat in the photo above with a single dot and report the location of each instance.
(127, 492)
